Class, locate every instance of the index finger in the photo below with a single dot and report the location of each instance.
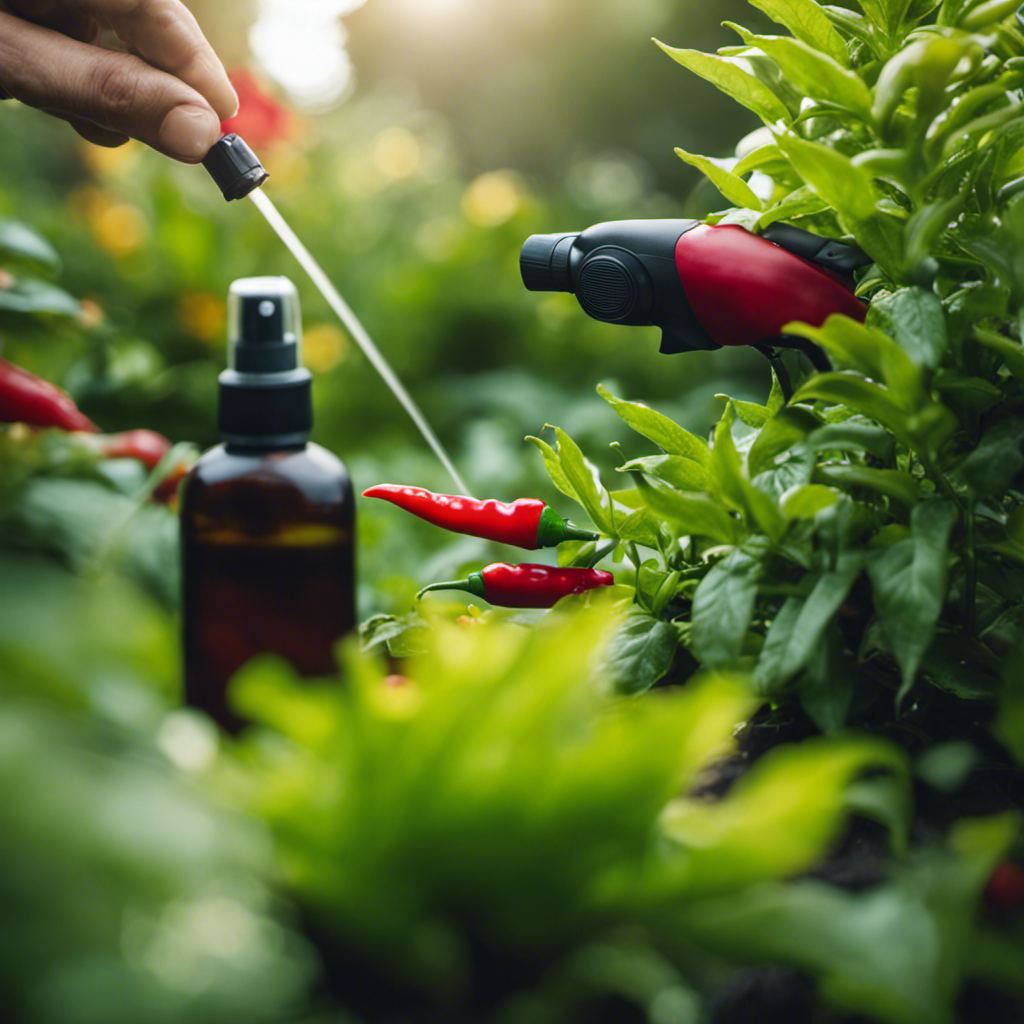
(166, 34)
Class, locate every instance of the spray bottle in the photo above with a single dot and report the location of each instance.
(267, 518)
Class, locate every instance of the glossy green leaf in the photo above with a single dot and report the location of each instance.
(20, 243)
(1012, 352)
(27, 296)
(849, 190)
(799, 628)
(869, 399)
(553, 465)
(812, 72)
(722, 609)
(909, 583)
(806, 20)
(892, 483)
(730, 77)
(852, 345)
(915, 319)
(676, 470)
(997, 459)
(658, 428)
(693, 514)
(787, 428)
(640, 652)
(806, 501)
(733, 187)
(803, 202)
(581, 476)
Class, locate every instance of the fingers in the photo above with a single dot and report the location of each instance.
(166, 35)
(61, 17)
(114, 91)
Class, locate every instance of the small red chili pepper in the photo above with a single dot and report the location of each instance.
(26, 398)
(147, 446)
(526, 523)
(1005, 888)
(527, 585)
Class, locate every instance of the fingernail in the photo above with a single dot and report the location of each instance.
(188, 133)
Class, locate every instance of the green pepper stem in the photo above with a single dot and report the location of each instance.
(473, 584)
(552, 529)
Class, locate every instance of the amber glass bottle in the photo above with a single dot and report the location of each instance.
(267, 518)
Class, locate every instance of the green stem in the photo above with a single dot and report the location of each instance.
(970, 574)
(601, 553)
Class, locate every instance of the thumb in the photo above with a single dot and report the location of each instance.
(116, 91)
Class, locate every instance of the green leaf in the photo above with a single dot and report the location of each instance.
(404, 635)
(21, 243)
(658, 428)
(641, 527)
(803, 202)
(733, 187)
(852, 436)
(729, 77)
(582, 478)
(775, 821)
(805, 502)
(799, 628)
(893, 483)
(723, 605)
(787, 428)
(909, 582)
(991, 468)
(553, 465)
(728, 480)
(915, 319)
(860, 395)
(849, 190)
(640, 653)
(675, 470)
(695, 514)
(806, 20)
(1012, 352)
(750, 413)
(854, 25)
(851, 344)
(814, 74)
(27, 296)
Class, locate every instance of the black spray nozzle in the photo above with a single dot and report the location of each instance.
(234, 167)
(544, 262)
(265, 391)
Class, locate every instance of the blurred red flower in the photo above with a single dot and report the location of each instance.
(260, 120)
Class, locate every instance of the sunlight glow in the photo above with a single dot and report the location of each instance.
(301, 44)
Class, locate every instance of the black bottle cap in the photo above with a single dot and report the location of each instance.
(265, 393)
(235, 167)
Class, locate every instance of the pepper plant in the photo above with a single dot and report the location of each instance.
(866, 537)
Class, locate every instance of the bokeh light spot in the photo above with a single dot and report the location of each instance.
(493, 198)
(397, 152)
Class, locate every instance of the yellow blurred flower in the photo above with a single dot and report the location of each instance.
(397, 152)
(493, 198)
(118, 227)
(104, 162)
(323, 347)
(203, 316)
(90, 313)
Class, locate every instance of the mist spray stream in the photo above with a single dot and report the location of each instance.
(356, 329)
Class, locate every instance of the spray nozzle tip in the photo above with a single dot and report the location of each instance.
(234, 167)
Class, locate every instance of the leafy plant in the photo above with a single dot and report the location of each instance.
(862, 538)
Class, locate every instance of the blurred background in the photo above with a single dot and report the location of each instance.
(413, 145)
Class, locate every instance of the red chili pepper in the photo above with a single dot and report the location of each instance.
(26, 398)
(1005, 888)
(527, 585)
(526, 523)
(147, 446)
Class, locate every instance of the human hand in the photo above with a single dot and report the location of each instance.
(171, 92)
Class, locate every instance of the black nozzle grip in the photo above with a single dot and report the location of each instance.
(544, 262)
